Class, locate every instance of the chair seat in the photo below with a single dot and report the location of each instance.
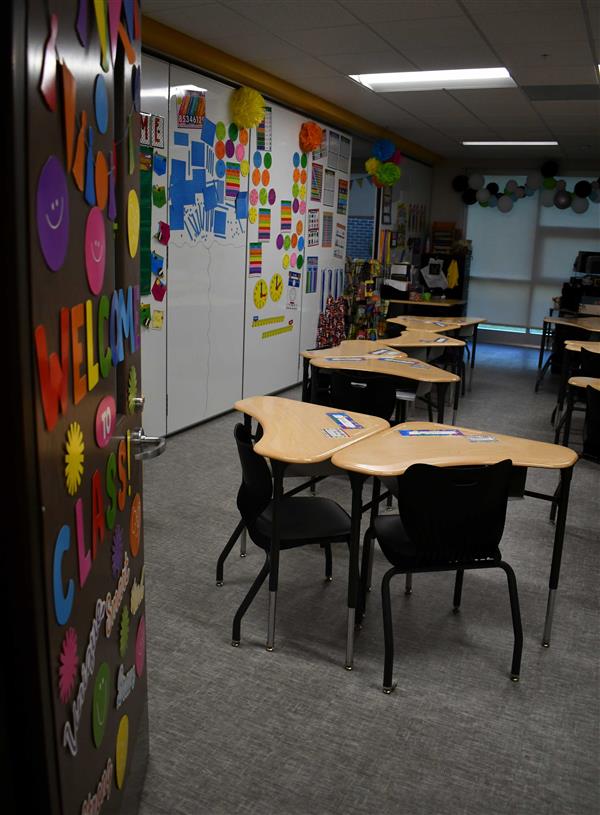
(401, 552)
(302, 520)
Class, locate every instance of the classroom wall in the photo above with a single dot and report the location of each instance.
(361, 216)
(218, 337)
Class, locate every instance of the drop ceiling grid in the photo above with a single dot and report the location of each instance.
(316, 44)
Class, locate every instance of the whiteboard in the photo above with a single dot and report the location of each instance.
(326, 217)
(276, 251)
(207, 255)
(154, 94)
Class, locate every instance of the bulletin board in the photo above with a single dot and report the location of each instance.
(278, 196)
(326, 228)
(208, 174)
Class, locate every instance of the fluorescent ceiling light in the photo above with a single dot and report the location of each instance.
(463, 78)
(510, 143)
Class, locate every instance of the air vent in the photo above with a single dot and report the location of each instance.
(561, 93)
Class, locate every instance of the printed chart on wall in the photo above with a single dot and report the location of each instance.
(209, 167)
(326, 228)
(84, 79)
(279, 189)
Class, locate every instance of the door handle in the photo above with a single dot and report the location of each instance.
(147, 446)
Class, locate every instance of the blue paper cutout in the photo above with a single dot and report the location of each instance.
(101, 104)
(176, 216)
(89, 190)
(183, 139)
(156, 263)
(241, 205)
(160, 164)
(198, 154)
(220, 168)
(210, 197)
(208, 132)
(257, 159)
(220, 227)
(129, 18)
(199, 180)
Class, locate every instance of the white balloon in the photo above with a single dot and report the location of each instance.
(579, 205)
(505, 203)
(534, 180)
(483, 195)
(512, 185)
(547, 198)
(476, 181)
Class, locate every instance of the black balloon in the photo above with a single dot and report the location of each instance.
(562, 199)
(469, 197)
(583, 189)
(460, 183)
(549, 169)
(493, 187)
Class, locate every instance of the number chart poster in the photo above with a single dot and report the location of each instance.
(86, 335)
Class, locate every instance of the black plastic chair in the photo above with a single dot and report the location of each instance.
(364, 392)
(302, 521)
(576, 397)
(591, 428)
(464, 532)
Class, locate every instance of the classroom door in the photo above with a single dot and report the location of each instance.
(82, 136)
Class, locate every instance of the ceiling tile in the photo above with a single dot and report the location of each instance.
(544, 53)
(406, 10)
(286, 17)
(555, 75)
(260, 46)
(497, 105)
(372, 62)
(206, 22)
(341, 40)
(560, 22)
(295, 68)
(428, 57)
(441, 31)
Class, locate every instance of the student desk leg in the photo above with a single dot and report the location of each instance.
(441, 399)
(473, 352)
(306, 389)
(542, 344)
(314, 384)
(357, 481)
(559, 536)
(278, 471)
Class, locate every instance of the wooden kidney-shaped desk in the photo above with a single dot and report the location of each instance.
(391, 453)
(397, 364)
(347, 348)
(416, 338)
(293, 433)
(591, 325)
(443, 325)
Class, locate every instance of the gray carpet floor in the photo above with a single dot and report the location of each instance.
(240, 730)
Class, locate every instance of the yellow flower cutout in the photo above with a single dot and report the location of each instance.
(74, 457)
(252, 214)
(132, 385)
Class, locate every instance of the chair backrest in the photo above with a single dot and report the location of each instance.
(454, 513)
(591, 431)
(364, 392)
(256, 489)
(590, 363)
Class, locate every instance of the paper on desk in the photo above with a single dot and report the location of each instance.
(345, 359)
(335, 432)
(343, 420)
(431, 432)
(482, 437)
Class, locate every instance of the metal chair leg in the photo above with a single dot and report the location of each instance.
(245, 605)
(243, 541)
(516, 620)
(328, 563)
(408, 584)
(458, 584)
(388, 632)
(241, 527)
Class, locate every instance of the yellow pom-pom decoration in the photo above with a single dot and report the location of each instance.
(372, 165)
(247, 107)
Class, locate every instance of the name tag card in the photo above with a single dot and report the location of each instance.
(335, 432)
(431, 433)
(345, 421)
